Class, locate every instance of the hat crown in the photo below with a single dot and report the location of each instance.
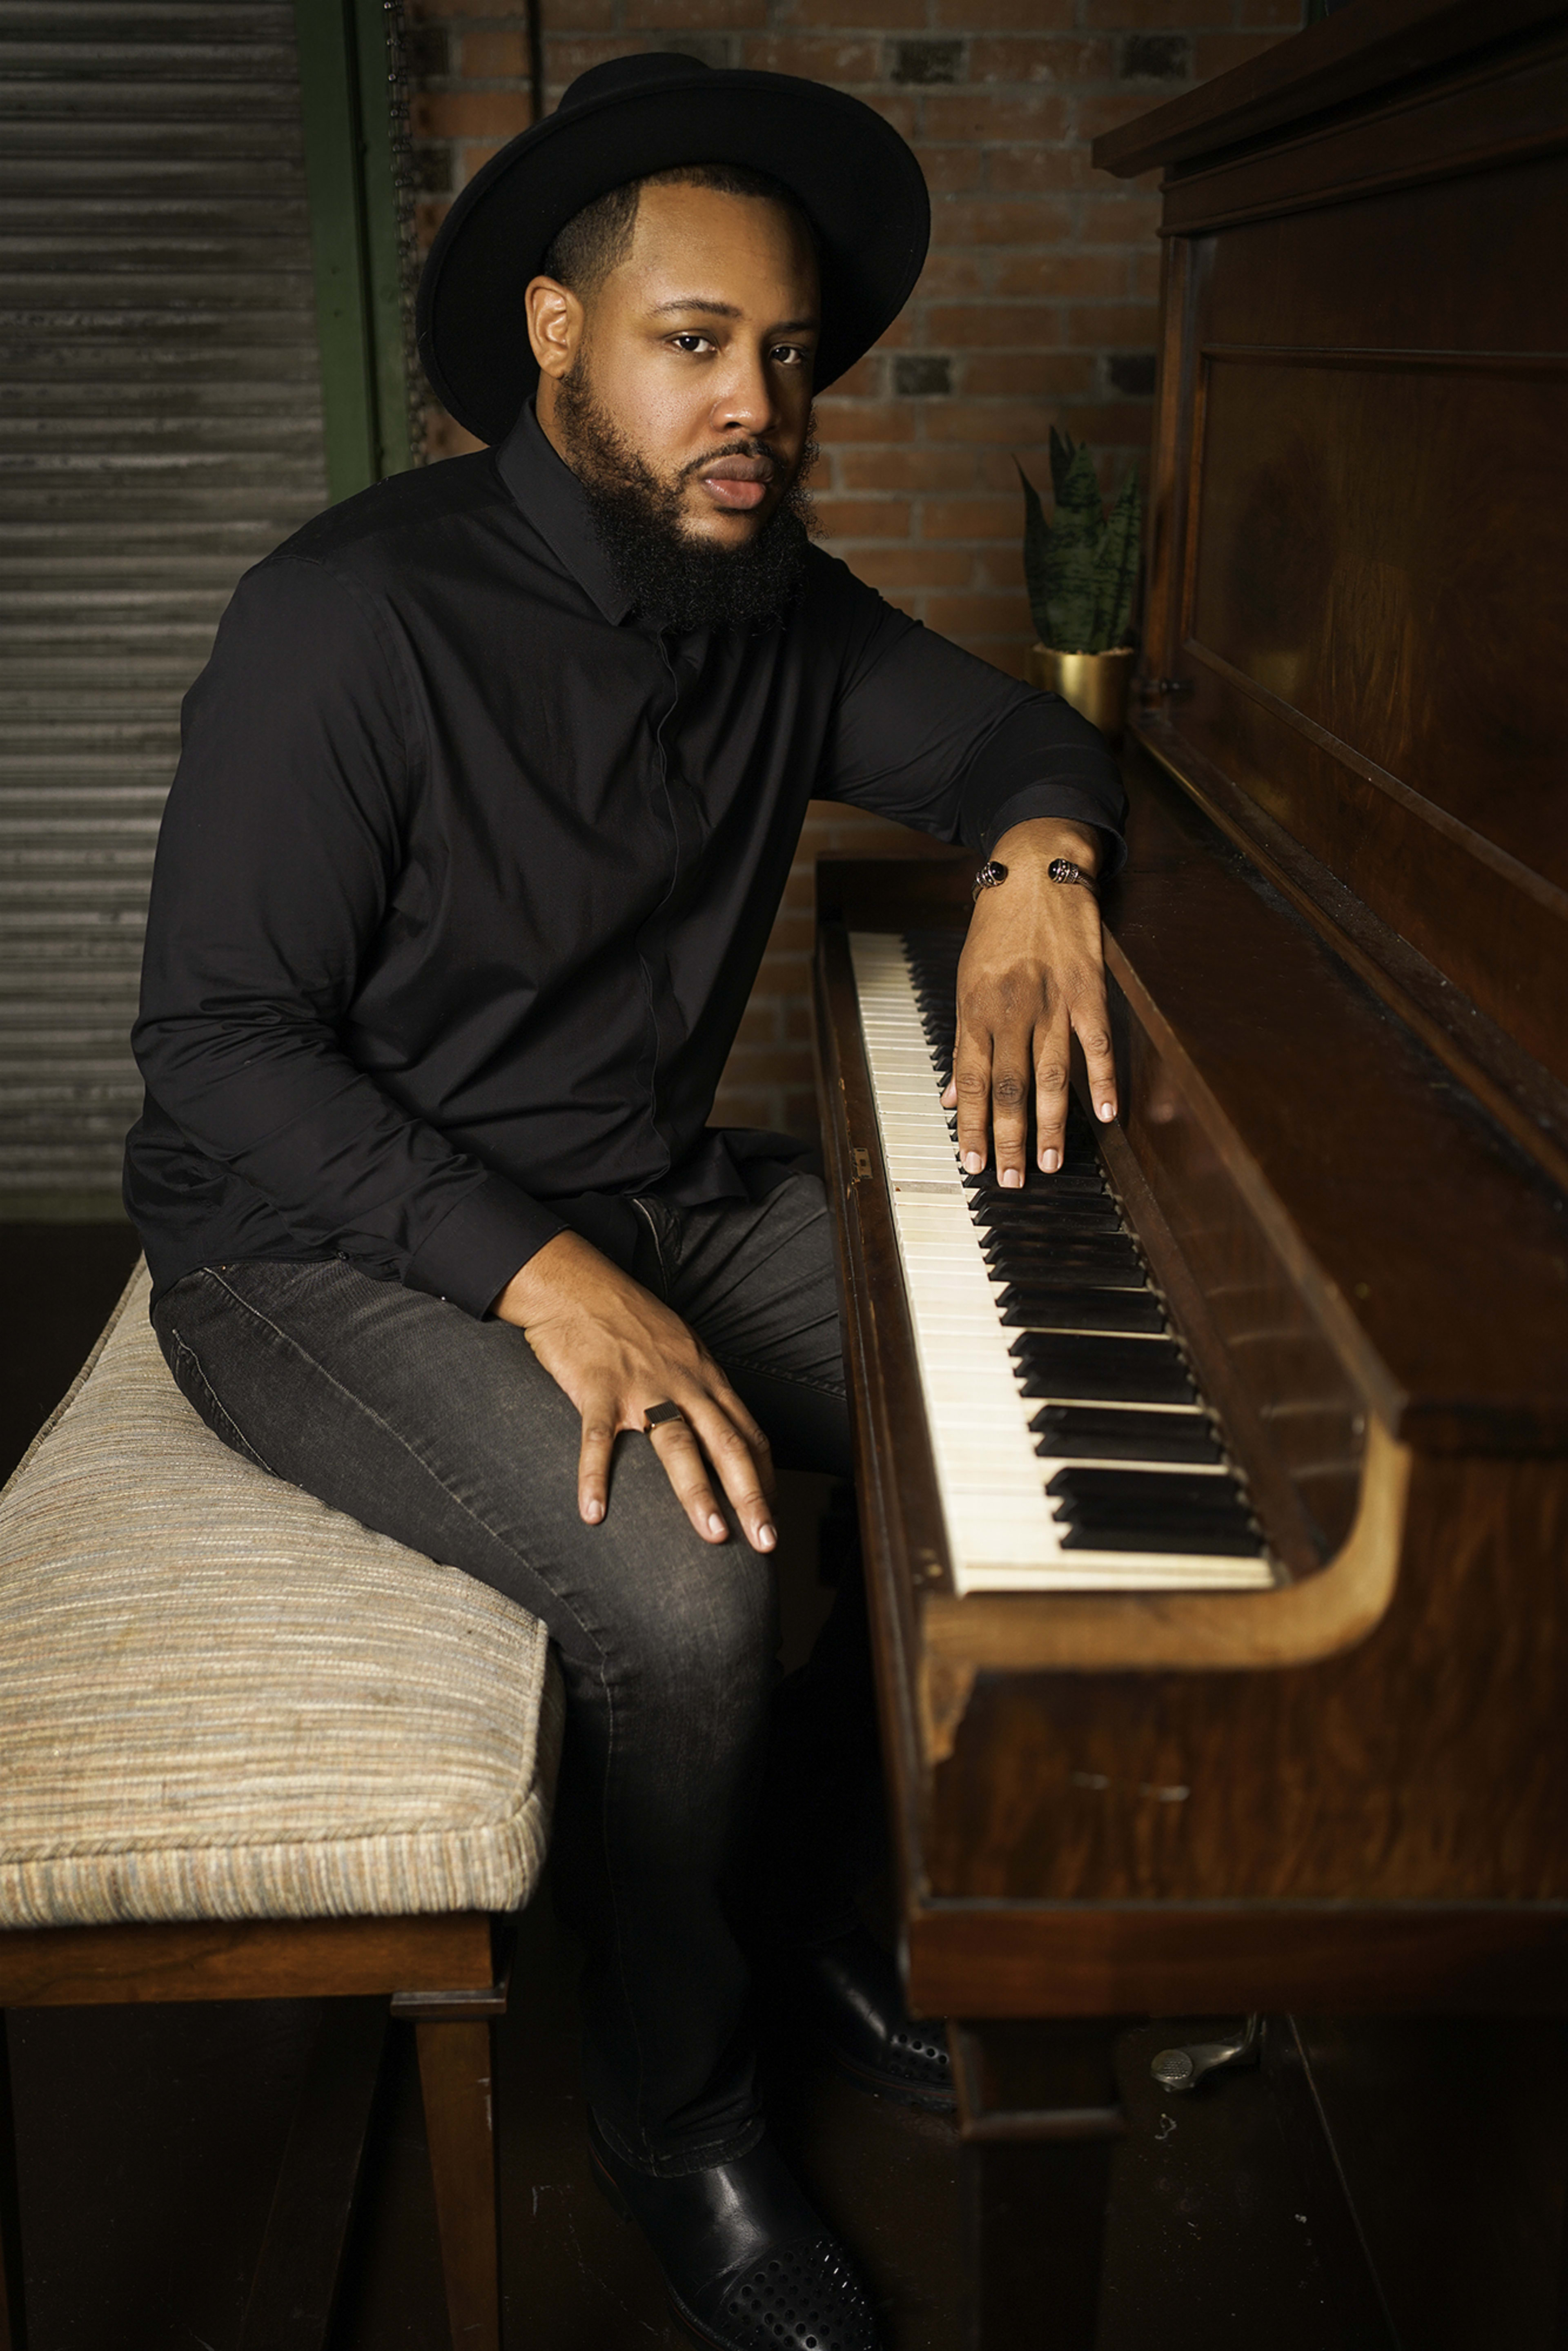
(618, 74)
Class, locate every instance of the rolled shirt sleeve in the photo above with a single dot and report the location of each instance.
(934, 737)
(280, 852)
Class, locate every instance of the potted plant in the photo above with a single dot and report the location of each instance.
(1082, 572)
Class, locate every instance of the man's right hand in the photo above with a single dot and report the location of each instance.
(616, 1351)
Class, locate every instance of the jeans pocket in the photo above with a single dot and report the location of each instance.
(197, 1390)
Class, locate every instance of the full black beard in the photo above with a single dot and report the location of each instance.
(665, 570)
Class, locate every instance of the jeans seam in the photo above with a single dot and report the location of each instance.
(240, 1443)
(794, 1379)
(646, 1213)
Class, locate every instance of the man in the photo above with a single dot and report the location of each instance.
(486, 801)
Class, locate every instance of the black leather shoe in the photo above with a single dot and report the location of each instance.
(856, 2002)
(747, 2264)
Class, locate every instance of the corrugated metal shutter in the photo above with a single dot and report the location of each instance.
(160, 430)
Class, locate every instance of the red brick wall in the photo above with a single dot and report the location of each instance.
(1036, 307)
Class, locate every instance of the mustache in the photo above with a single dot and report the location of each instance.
(758, 452)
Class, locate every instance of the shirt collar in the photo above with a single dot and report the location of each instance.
(549, 494)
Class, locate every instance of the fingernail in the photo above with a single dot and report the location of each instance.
(973, 1163)
(765, 1537)
(1012, 1177)
(716, 1525)
(1107, 1112)
(593, 1511)
(1050, 1161)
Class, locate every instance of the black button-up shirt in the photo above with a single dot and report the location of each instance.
(468, 869)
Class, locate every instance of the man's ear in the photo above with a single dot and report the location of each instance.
(555, 326)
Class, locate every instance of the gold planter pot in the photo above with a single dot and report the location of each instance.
(1095, 683)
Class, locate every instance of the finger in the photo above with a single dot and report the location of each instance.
(740, 1466)
(972, 1094)
(1009, 1109)
(761, 1451)
(681, 1462)
(1052, 1068)
(1092, 1022)
(950, 1091)
(733, 1410)
(599, 1424)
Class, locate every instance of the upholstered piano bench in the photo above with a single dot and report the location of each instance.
(249, 1750)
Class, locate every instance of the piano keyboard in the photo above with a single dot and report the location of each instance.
(1072, 1449)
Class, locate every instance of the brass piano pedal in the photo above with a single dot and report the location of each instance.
(1185, 2068)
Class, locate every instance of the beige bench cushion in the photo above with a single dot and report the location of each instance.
(221, 1700)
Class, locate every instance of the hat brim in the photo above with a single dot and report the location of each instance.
(855, 178)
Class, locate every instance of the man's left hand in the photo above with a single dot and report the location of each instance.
(1032, 976)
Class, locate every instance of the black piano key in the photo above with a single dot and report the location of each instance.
(1133, 1488)
(1014, 1260)
(1225, 1509)
(1173, 1514)
(1191, 1534)
(1028, 1305)
(1039, 1209)
(1027, 1214)
(1089, 1369)
(1093, 1250)
(1085, 1216)
(1092, 1254)
(1041, 1228)
(1027, 1250)
(1092, 1435)
(1065, 1273)
(1223, 1543)
(1070, 1270)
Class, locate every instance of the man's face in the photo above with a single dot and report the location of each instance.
(699, 347)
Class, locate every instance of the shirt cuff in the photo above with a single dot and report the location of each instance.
(480, 1244)
(1065, 802)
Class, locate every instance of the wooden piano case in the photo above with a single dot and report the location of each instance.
(1339, 957)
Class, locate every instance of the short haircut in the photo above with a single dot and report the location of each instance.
(597, 239)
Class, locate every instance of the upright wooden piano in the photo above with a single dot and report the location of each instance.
(1312, 1755)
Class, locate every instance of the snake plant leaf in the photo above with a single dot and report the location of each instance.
(1035, 541)
(1115, 571)
(1062, 448)
(1081, 567)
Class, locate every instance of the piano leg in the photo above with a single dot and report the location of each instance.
(1039, 2121)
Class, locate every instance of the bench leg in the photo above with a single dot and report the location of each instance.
(13, 2317)
(296, 2282)
(455, 2075)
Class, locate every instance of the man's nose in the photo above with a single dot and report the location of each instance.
(746, 399)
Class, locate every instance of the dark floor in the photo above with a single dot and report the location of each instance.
(148, 2138)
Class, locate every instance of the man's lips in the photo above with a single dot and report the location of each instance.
(736, 484)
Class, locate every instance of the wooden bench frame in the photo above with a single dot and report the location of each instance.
(447, 1974)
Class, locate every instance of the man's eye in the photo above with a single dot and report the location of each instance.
(788, 355)
(692, 343)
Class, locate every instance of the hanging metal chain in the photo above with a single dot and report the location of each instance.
(417, 391)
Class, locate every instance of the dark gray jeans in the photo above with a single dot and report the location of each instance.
(445, 1433)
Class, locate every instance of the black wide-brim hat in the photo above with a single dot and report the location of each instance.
(853, 174)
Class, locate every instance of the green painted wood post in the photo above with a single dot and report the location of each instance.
(346, 110)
